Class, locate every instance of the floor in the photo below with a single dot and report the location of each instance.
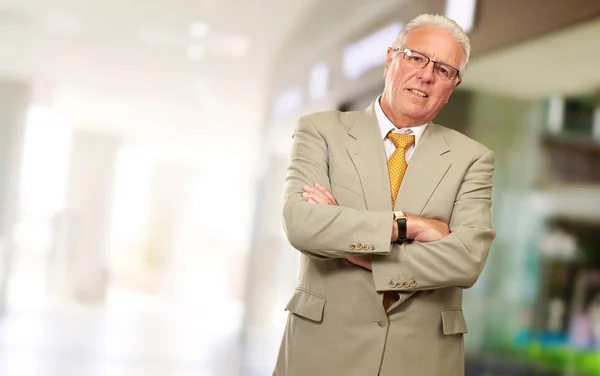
(133, 339)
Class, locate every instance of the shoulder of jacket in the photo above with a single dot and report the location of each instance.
(330, 119)
(457, 140)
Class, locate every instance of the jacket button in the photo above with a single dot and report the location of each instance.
(359, 246)
(382, 322)
(351, 246)
(392, 283)
(413, 283)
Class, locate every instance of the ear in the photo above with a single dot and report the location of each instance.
(388, 60)
(458, 82)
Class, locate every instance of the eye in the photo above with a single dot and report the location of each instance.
(444, 71)
(416, 59)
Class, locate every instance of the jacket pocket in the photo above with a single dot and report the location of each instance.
(307, 304)
(453, 322)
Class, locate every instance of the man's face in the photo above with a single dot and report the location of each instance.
(414, 96)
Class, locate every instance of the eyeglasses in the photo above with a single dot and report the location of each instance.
(418, 60)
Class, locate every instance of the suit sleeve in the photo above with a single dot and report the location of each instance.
(456, 260)
(324, 231)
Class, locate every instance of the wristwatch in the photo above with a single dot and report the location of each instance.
(400, 219)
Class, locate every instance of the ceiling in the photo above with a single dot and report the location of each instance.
(562, 62)
(123, 66)
(331, 23)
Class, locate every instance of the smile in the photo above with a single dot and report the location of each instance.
(419, 93)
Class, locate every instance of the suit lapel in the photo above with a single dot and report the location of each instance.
(365, 147)
(426, 168)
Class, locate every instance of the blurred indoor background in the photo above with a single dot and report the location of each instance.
(143, 147)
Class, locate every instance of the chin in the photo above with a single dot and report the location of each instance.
(413, 113)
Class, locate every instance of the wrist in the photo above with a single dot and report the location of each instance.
(400, 225)
(413, 226)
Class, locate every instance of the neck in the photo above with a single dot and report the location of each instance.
(399, 120)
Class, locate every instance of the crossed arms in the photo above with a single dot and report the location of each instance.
(438, 255)
(417, 228)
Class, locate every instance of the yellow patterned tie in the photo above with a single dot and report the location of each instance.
(396, 167)
(397, 163)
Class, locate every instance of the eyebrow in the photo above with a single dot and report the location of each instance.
(443, 62)
(437, 61)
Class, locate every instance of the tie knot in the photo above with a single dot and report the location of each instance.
(401, 140)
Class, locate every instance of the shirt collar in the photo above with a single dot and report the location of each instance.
(386, 125)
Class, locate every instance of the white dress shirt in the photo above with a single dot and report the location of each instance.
(386, 126)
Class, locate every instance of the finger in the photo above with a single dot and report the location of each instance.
(314, 196)
(330, 197)
(319, 194)
(309, 189)
(317, 197)
(320, 200)
(312, 201)
(323, 190)
(320, 188)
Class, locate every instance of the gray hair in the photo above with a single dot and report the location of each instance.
(441, 22)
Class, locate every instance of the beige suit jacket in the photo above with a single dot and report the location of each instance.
(336, 323)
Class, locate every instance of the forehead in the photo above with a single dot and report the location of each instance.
(438, 44)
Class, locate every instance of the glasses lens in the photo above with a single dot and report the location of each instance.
(415, 59)
(445, 71)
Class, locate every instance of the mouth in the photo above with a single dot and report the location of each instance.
(419, 93)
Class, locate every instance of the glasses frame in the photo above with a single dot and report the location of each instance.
(405, 50)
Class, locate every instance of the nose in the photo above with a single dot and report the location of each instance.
(426, 73)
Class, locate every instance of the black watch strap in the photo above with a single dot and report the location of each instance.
(401, 230)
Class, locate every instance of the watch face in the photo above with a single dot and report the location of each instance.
(399, 214)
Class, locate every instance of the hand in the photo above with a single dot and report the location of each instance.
(425, 229)
(318, 195)
(361, 260)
